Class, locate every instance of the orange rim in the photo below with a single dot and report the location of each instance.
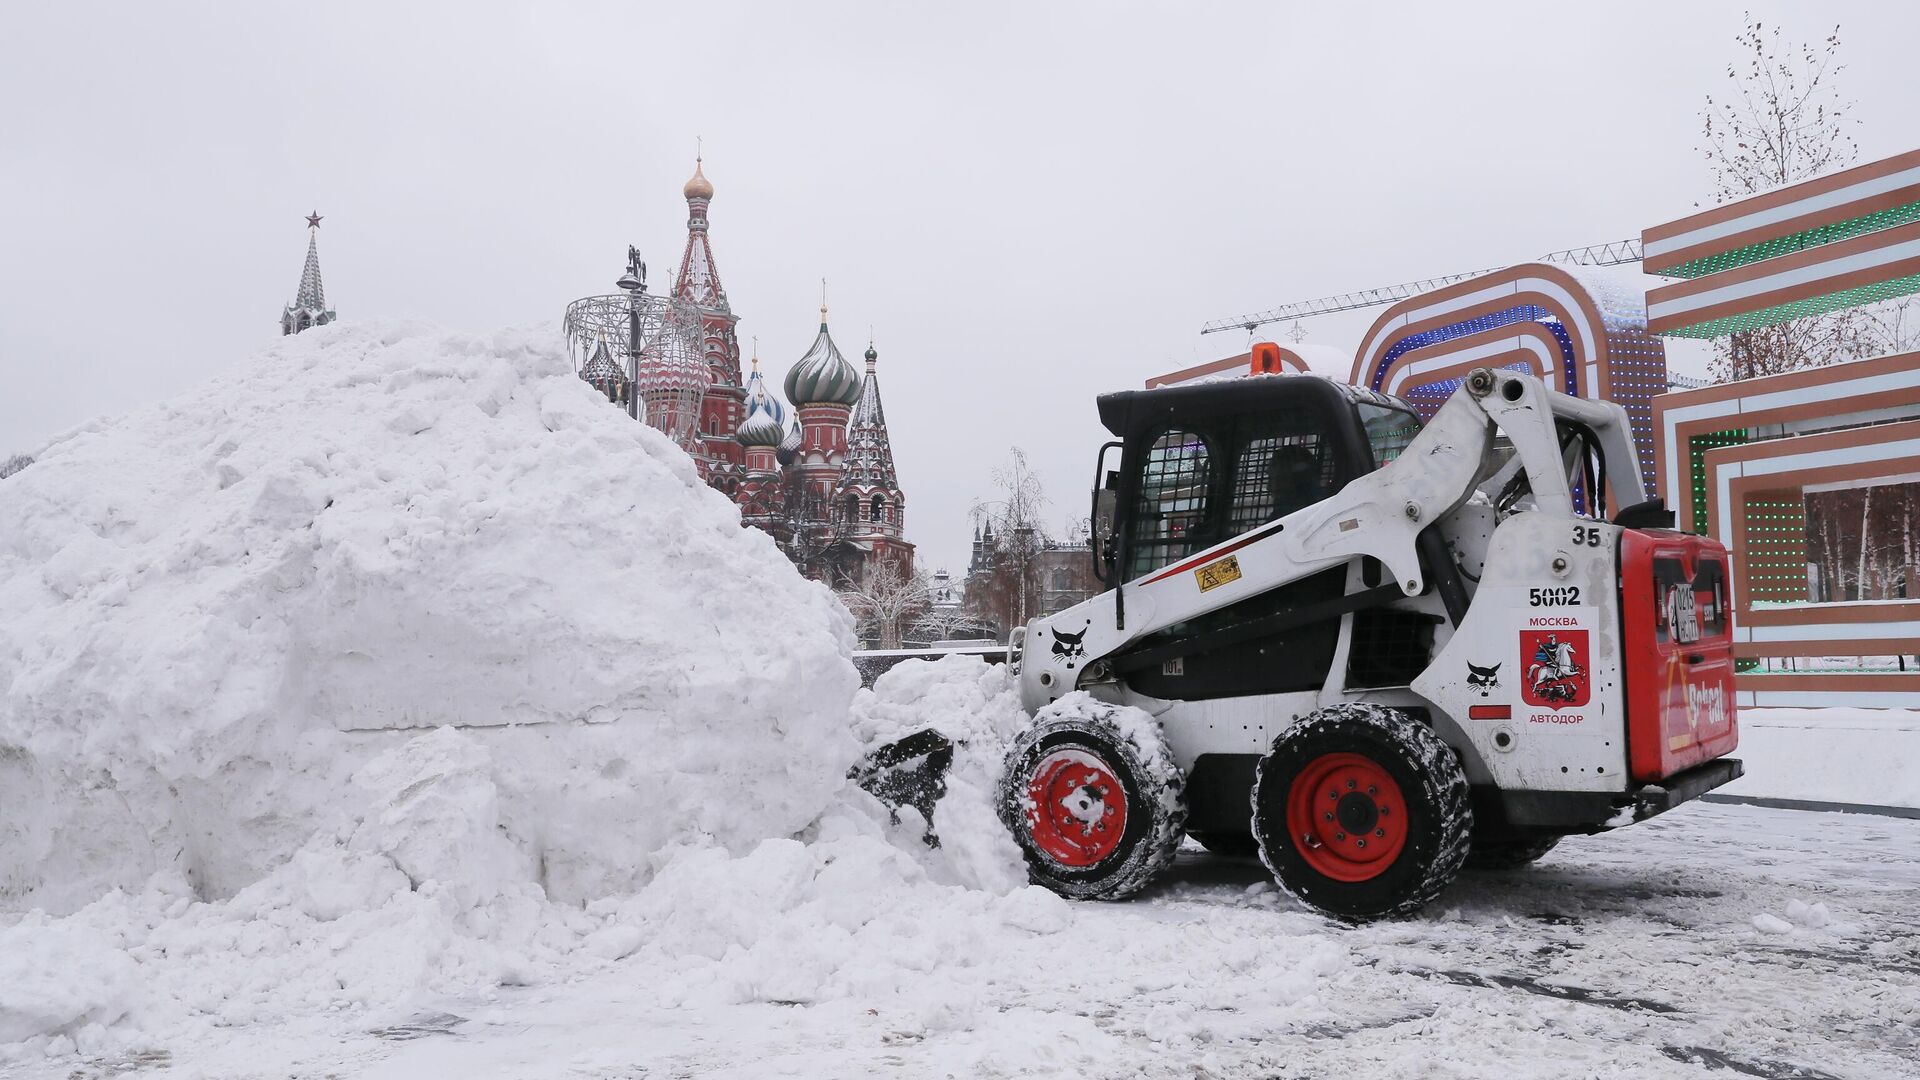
(1076, 808)
(1346, 817)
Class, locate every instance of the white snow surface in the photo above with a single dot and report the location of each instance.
(219, 607)
(1835, 754)
(396, 667)
(977, 706)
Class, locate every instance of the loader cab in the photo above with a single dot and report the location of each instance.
(1199, 465)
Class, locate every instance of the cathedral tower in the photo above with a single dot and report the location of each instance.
(722, 408)
(868, 499)
(823, 388)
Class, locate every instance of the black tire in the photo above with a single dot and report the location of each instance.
(1133, 753)
(1435, 822)
(1509, 854)
(1236, 845)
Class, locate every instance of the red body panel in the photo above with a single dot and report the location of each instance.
(1678, 630)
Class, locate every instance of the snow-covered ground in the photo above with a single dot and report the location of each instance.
(1715, 941)
(1842, 755)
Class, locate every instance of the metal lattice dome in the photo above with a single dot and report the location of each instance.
(669, 365)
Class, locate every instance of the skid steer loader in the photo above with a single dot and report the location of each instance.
(1373, 650)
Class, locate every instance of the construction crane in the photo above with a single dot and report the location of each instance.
(1612, 254)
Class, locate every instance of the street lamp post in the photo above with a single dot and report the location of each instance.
(634, 282)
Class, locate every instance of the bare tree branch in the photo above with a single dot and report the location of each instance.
(1782, 121)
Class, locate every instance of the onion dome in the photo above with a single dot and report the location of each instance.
(760, 429)
(699, 187)
(672, 365)
(601, 368)
(766, 422)
(790, 446)
(823, 376)
(759, 397)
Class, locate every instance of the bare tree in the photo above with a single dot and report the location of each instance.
(949, 624)
(886, 600)
(812, 532)
(1006, 591)
(1782, 121)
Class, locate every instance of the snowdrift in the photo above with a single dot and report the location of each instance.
(222, 607)
(423, 899)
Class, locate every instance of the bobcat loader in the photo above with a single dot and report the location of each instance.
(1373, 650)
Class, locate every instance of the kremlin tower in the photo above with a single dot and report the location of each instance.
(309, 308)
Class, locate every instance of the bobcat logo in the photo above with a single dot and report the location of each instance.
(1068, 645)
(1484, 679)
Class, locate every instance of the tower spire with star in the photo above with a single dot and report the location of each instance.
(309, 308)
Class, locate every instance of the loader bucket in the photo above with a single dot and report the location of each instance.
(908, 772)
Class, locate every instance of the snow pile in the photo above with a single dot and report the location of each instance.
(55, 978)
(386, 918)
(977, 706)
(397, 670)
(221, 607)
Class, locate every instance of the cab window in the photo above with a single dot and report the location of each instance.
(1276, 474)
(1388, 430)
(1171, 512)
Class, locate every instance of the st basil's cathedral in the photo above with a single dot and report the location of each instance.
(816, 471)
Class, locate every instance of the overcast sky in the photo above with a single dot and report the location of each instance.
(1028, 203)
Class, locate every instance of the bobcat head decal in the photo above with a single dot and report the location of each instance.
(1068, 645)
(1485, 679)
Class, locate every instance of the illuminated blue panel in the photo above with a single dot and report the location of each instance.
(1492, 321)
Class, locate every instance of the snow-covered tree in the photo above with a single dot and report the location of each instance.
(886, 600)
(1006, 591)
(948, 624)
(13, 465)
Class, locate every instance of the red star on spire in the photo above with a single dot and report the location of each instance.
(313, 220)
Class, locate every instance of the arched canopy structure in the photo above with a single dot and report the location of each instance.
(1577, 329)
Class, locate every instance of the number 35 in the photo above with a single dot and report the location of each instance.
(1586, 534)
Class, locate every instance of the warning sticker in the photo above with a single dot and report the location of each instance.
(1217, 573)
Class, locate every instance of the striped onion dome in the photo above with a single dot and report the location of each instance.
(760, 429)
(758, 396)
(790, 446)
(766, 422)
(670, 365)
(823, 376)
(601, 367)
